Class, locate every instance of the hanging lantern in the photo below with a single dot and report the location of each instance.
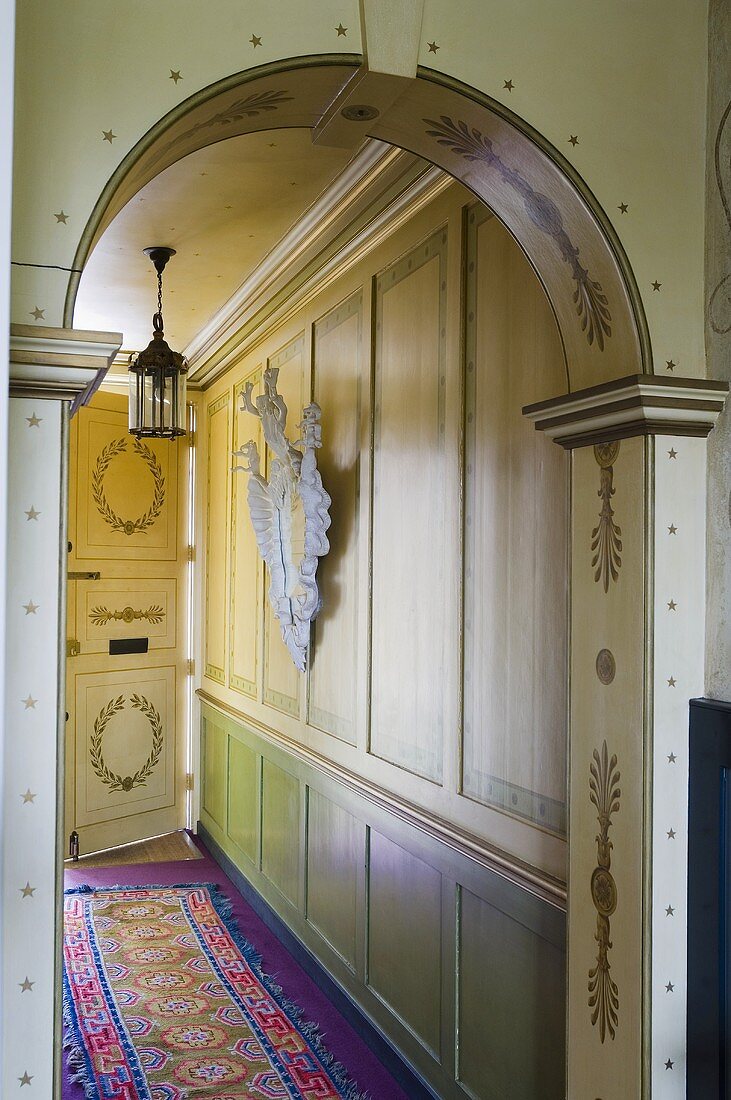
(157, 375)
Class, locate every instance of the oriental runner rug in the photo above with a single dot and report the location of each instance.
(165, 1000)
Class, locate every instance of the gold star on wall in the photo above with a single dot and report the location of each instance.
(61, 217)
(672, 453)
(30, 703)
(671, 834)
(175, 76)
(670, 1063)
(37, 313)
(573, 139)
(255, 40)
(28, 796)
(623, 208)
(672, 682)
(27, 891)
(32, 514)
(26, 1078)
(669, 988)
(433, 47)
(670, 365)
(656, 285)
(26, 986)
(108, 135)
(30, 607)
(342, 31)
(672, 529)
(672, 758)
(669, 912)
(672, 606)
(508, 85)
(34, 421)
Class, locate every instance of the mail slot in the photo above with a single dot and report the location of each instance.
(128, 645)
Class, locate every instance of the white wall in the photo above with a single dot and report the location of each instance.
(36, 524)
(7, 38)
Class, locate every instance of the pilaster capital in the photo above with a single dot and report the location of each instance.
(640, 404)
(59, 363)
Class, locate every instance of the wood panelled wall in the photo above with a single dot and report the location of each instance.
(461, 969)
(438, 666)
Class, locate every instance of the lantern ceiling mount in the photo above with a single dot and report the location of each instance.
(159, 254)
(157, 375)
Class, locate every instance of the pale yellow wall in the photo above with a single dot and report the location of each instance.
(628, 79)
(445, 310)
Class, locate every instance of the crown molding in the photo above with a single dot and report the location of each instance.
(59, 363)
(381, 187)
(640, 404)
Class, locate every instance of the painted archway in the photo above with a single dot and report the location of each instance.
(528, 184)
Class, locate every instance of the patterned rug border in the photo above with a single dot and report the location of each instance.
(79, 1064)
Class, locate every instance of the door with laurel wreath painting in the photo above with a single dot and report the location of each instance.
(125, 669)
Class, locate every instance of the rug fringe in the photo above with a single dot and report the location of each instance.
(77, 1065)
(76, 1059)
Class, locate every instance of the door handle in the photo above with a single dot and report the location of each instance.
(93, 576)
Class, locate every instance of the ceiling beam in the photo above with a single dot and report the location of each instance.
(391, 35)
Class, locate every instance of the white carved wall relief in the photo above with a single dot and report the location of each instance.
(289, 512)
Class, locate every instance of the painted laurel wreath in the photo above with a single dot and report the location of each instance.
(111, 779)
(115, 521)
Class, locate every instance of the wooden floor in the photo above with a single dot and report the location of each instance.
(160, 849)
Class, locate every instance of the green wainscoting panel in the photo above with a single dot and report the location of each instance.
(280, 843)
(335, 854)
(460, 968)
(243, 798)
(509, 1035)
(405, 935)
(214, 772)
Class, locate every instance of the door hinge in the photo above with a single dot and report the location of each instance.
(190, 553)
(189, 781)
(73, 647)
(74, 846)
(190, 667)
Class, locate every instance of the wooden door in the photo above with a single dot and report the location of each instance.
(126, 628)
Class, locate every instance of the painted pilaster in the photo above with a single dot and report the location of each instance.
(637, 630)
(50, 371)
(36, 523)
(676, 644)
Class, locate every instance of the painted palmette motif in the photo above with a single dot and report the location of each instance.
(289, 512)
(604, 792)
(606, 538)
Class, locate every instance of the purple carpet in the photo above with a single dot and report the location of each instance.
(337, 1035)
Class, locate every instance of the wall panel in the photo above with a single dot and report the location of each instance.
(243, 798)
(408, 549)
(281, 832)
(216, 537)
(337, 387)
(214, 772)
(281, 679)
(516, 531)
(246, 565)
(335, 853)
(404, 937)
(500, 960)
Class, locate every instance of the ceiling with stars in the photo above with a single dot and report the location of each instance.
(223, 209)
